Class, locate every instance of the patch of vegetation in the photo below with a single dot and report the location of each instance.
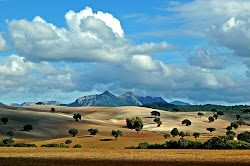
(24, 145)
(116, 134)
(221, 142)
(73, 132)
(245, 136)
(77, 146)
(93, 131)
(197, 108)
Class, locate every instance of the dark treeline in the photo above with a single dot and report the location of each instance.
(190, 108)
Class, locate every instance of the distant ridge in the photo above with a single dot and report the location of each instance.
(34, 104)
(2, 103)
(179, 103)
(107, 99)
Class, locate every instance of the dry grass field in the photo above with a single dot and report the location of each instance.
(103, 149)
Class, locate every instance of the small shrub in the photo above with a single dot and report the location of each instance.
(51, 145)
(91, 147)
(77, 146)
(131, 147)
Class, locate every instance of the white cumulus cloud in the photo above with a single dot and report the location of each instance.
(90, 37)
(3, 45)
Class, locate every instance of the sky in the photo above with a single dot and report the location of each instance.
(196, 51)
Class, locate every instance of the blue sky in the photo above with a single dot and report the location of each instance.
(193, 50)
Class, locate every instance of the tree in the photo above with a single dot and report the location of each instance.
(155, 113)
(215, 116)
(176, 109)
(167, 136)
(246, 111)
(234, 125)
(159, 123)
(11, 133)
(68, 142)
(245, 136)
(174, 132)
(187, 134)
(238, 117)
(241, 122)
(73, 132)
(116, 134)
(211, 129)
(211, 119)
(93, 131)
(135, 123)
(27, 127)
(220, 113)
(196, 135)
(182, 134)
(77, 116)
(39, 103)
(186, 121)
(229, 128)
(52, 110)
(4, 120)
(200, 114)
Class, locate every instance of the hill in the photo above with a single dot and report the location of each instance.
(107, 99)
(179, 103)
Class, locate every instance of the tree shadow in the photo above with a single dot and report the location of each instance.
(107, 139)
(86, 136)
(149, 117)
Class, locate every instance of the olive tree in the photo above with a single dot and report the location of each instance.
(241, 122)
(11, 133)
(182, 134)
(186, 121)
(166, 136)
(93, 131)
(155, 113)
(196, 135)
(211, 129)
(73, 132)
(174, 132)
(4, 120)
(234, 125)
(116, 134)
(27, 127)
(211, 119)
(200, 114)
(216, 116)
(77, 116)
(52, 110)
(68, 142)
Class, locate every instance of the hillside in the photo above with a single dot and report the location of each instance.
(49, 125)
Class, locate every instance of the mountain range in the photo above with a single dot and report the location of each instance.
(106, 99)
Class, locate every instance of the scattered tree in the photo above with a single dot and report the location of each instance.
(241, 122)
(220, 113)
(93, 131)
(27, 127)
(167, 136)
(155, 113)
(215, 116)
(73, 132)
(116, 134)
(176, 109)
(174, 132)
(196, 135)
(238, 117)
(159, 123)
(187, 134)
(77, 116)
(234, 125)
(4, 120)
(11, 133)
(211, 119)
(68, 142)
(229, 128)
(211, 129)
(200, 114)
(52, 110)
(246, 111)
(135, 123)
(245, 136)
(186, 121)
(182, 134)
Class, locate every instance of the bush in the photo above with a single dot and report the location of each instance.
(51, 145)
(8, 142)
(77, 146)
(186, 121)
(68, 141)
(234, 125)
(24, 145)
(166, 136)
(11, 133)
(4, 120)
(230, 133)
(1, 143)
(52, 110)
(131, 147)
(116, 134)
(211, 119)
(174, 132)
(143, 145)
